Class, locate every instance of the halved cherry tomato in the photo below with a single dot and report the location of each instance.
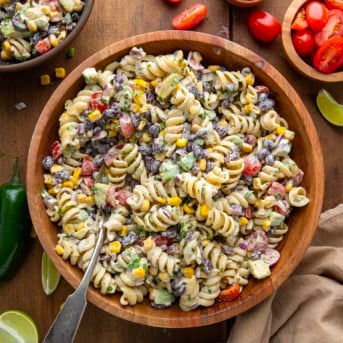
(56, 150)
(88, 181)
(190, 17)
(251, 165)
(276, 189)
(316, 15)
(282, 207)
(303, 41)
(329, 57)
(96, 102)
(333, 27)
(300, 22)
(88, 167)
(43, 46)
(126, 126)
(230, 293)
(331, 4)
(122, 196)
(263, 26)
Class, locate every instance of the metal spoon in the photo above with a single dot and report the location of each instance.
(65, 326)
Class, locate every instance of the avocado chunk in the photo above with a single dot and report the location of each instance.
(100, 191)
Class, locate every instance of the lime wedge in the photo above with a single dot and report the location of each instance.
(329, 108)
(17, 327)
(50, 275)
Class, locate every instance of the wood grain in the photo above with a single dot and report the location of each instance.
(297, 62)
(306, 151)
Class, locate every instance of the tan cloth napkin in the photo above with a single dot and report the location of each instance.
(308, 307)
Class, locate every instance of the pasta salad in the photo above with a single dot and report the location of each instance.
(32, 28)
(190, 165)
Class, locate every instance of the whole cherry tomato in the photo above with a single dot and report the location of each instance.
(276, 189)
(333, 27)
(56, 150)
(190, 17)
(316, 15)
(263, 26)
(329, 56)
(230, 293)
(300, 22)
(96, 102)
(331, 4)
(43, 46)
(303, 41)
(251, 165)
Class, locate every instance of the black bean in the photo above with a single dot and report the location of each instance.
(266, 104)
(209, 166)
(103, 148)
(62, 175)
(118, 81)
(178, 288)
(208, 87)
(202, 133)
(47, 162)
(98, 160)
(262, 96)
(75, 16)
(245, 71)
(145, 149)
(130, 239)
(150, 96)
(248, 180)
(255, 255)
(10, 9)
(157, 145)
(70, 26)
(269, 159)
(88, 125)
(263, 154)
(195, 169)
(206, 265)
(19, 25)
(154, 130)
(198, 152)
(268, 144)
(221, 130)
(197, 94)
(2, 38)
(170, 232)
(227, 102)
(155, 166)
(218, 195)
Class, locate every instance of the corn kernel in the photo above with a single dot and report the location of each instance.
(115, 247)
(53, 41)
(59, 249)
(280, 130)
(205, 242)
(141, 83)
(145, 205)
(204, 209)
(52, 191)
(243, 221)
(45, 9)
(45, 80)
(153, 83)
(188, 272)
(146, 138)
(32, 26)
(90, 200)
(148, 243)
(271, 136)
(55, 168)
(202, 164)
(77, 173)
(223, 123)
(188, 209)
(68, 184)
(5, 56)
(257, 203)
(288, 187)
(79, 226)
(94, 115)
(124, 230)
(47, 179)
(141, 125)
(181, 142)
(6, 46)
(138, 272)
(192, 110)
(163, 133)
(161, 200)
(135, 108)
(266, 224)
(164, 277)
(213, 68)
(250, 79)
(18, 5)
(81, 198)
(174, 201)
(247, 147)
(248, 108)
(112, 133)
(60, 73)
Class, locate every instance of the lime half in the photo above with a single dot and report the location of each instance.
(329, 108)
(50, 275)
(17, 327)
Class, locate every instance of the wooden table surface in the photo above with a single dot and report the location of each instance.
(111, 21)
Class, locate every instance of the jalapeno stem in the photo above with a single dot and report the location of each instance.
(15, 174)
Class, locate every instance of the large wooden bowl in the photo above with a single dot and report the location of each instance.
(306, 151)
(6, 67)
(297, 62)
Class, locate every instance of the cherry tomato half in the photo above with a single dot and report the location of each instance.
(190, 17)
(333, 27)
(316, 15)
(251, 165)
(300, 22)
(303, 42)
(230, 293)
(43, 46)
(331, 4)
(263, 26)
(126, 126)
(329, 56)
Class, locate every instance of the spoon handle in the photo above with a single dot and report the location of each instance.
(65, 326)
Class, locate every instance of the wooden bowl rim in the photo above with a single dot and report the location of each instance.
(16, 67)
(245, 3)
(199, 317)
(297, 62)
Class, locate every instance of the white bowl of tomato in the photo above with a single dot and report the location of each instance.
(312, 38)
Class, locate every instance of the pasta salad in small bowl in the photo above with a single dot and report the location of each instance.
(192, 155)
(33, 31)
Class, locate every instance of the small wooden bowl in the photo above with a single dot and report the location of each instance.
(306, 152)
(19, 66)
(245, 3)
(297, 62)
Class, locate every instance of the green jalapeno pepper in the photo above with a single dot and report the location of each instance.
(15, 224)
